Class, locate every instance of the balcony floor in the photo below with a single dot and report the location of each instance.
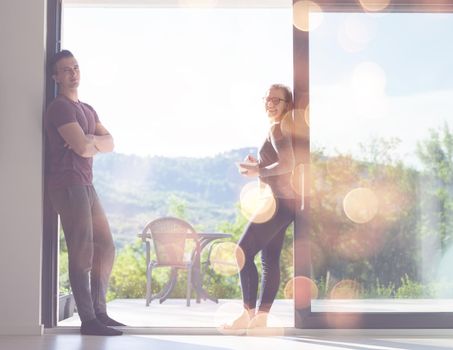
(175, 313)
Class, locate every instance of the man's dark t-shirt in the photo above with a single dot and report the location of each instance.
(65, 167)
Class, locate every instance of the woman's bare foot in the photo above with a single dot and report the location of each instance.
(239, 325)
(241, 322)
(258, 327)
(259, 321)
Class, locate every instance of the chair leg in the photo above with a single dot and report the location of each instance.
(189, 285)
(148, 284)
(166, 291)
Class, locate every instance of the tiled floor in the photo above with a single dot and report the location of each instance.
(149, 329)
(177, 342)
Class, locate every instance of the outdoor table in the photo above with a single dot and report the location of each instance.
(204, 238)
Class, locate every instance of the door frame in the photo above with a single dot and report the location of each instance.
(304, 318)
(49, 285)
(50, 245)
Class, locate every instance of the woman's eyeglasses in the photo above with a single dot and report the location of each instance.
(275, 100)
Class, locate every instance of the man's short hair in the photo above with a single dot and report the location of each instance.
(56, 58)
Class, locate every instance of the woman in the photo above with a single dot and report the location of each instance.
(274, 167)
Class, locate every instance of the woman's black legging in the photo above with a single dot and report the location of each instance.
(268, 238)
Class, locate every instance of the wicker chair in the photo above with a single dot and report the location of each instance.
(168, 236)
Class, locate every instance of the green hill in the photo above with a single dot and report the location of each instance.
(135, 190)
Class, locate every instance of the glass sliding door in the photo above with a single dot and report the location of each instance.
(379, 226)
(180, 88)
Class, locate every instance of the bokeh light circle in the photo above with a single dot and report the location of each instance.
(257, 202)
(307, 115)
(300, 128)
(346, 289)
(227, 258)
(343, 320)
(360, 205)
(302, 290)
(369, 78)
(275, 326)
(355, 33)
(307, 15)
(226, 313)
(287, 125)
(374, 5)
(298, 178)
(198, 3)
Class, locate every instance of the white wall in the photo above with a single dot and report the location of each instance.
(22, 83)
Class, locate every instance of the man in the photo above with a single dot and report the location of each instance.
(75, 135)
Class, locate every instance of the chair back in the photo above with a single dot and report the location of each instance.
(169, 236)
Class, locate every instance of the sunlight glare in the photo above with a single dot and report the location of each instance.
(444, 275)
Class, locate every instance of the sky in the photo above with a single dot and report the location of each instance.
(180, 82)
(189, 82)
(380, 76)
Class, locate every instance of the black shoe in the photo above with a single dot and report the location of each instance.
(95, 327)
(106, 320)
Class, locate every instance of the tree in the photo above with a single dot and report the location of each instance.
(436, 155)
(128, 278)
(381, 248)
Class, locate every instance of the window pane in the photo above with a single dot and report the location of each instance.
(381, 102)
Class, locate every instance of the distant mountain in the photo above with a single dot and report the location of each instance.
(137, 189)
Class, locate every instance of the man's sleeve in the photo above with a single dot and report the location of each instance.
(61, 113)
(96, 118)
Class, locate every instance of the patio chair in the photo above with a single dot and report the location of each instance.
(168, 236)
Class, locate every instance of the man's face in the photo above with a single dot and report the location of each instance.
(67, 73)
